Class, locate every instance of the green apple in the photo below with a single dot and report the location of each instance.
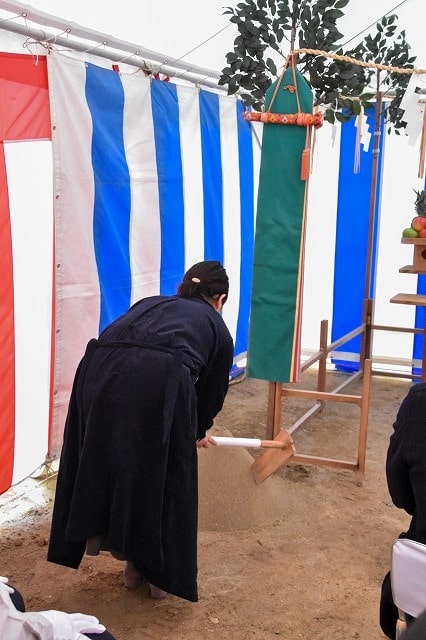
(409, 232)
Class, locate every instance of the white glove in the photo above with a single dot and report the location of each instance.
(5, 586)
(72, 626)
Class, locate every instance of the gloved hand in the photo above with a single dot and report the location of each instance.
(4, 581)
(45, 625)
(72, 626)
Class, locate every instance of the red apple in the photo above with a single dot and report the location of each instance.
(418, 223)
(422, 233)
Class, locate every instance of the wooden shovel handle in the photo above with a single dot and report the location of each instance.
(274, 444)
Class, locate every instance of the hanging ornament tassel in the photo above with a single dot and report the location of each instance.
(423, 144)
(306, 164)
(305, 168)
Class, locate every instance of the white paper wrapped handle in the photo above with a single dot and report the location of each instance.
(248, 442)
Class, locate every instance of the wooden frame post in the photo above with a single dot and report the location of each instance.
(363, 423)
(273, 419)
(366, 338)
(322, 363)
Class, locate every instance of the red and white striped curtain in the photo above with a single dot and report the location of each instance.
(24, 118)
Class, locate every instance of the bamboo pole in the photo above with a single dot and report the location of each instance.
(373, 188)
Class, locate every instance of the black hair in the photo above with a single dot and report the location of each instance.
(207, 279)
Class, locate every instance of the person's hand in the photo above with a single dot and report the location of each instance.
(85, 624)
(72, 625)
(4, 581)
(207, 441)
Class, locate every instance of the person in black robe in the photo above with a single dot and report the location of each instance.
(406, 478)
(144, 395)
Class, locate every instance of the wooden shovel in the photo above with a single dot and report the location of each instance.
(279, 451)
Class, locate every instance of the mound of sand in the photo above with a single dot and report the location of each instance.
(229, 498)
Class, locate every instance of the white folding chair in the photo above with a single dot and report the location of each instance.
(408, 580)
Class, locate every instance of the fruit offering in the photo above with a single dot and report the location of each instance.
(418, 224)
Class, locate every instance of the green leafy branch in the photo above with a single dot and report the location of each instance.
(270, 29)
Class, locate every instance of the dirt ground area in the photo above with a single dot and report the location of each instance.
(301, 555)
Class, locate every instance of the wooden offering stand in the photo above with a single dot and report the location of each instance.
(419, 255)
(418, 266)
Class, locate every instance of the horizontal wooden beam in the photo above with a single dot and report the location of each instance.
(383, 327)
(396, 374)
(321, 395)
(328, 462)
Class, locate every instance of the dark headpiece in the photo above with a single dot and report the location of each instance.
(207, 279)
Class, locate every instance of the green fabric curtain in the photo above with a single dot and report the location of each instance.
(275, 324)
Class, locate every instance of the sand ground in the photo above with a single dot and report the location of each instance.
(300, 556)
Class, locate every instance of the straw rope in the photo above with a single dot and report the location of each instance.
(374, 65)
(361, 63)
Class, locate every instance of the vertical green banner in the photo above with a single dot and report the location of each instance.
(275, 324)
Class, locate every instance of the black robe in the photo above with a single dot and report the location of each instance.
(406, 461)
(406, 478)
(143, 393)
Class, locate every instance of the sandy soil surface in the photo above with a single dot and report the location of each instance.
(301, 555)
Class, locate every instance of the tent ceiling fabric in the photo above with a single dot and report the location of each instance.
(79, 38)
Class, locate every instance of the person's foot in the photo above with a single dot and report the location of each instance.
(132, 579)
(156, 592)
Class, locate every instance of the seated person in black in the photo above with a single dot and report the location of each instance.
(406, 478)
